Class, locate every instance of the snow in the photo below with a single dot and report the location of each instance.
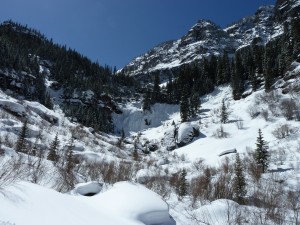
(125, 203)
(87, 188)
(133, 118)
(185, 132)
(13, 106)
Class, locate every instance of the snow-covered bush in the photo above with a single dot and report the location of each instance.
(253, 111)
(12, 170)
(282, 131)
(288, 108)
(221, 133)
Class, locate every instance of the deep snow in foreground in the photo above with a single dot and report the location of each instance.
(125, 203)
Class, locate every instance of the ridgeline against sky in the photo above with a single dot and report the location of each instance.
(113, 32)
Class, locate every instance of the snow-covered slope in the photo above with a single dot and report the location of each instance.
(129, 203)
(125, 203)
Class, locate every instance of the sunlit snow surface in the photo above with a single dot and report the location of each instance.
(125, 203)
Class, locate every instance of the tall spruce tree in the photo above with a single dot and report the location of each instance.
(261, 152)
(146, 103)
(52, 155)
(170, 91)
(22, 145)
(239, 182)
(237, 82)
(183, 185)
(184, 105)
(69, 157)
(224, 112)
(156, 90)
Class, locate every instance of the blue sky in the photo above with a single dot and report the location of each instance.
(114, 32)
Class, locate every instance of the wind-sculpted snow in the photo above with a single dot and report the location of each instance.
(125, 203)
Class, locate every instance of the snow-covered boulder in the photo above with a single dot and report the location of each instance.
(87, 189)
(226, 152)
(169, 138)
(13, 107)
(186, 133)
(78, 146)
(42, 111)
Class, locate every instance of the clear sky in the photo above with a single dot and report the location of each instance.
(113, 32)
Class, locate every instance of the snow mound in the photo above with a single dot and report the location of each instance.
(87, 189)
(136, 202)
(217, 211)
(125, 203)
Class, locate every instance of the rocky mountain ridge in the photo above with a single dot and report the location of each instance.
(206, 38)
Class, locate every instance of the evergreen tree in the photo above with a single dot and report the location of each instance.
(52, 155)
(224, 112)
(219, 73)
(295, 35)
(170, 91)
(239, 182)
(146, 103)
(184, 105)
(226, 73)
(194, 103)
(156, 90)
(183, 185)
(237, 82)
(48, 101)
(122, 134)
(261, 152)
(69, 157)
(21, 145)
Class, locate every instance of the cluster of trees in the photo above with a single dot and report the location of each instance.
(23, 50)
(62, 158)
(256, 65)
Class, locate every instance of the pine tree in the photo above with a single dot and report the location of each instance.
(225, 68)
(224, 113)
(156, 90)
(239, 182)
(21, 145)
(146, 103)
(184, 105)
(261, 152)
(194, 103)
(183, 185)
(69, 157)
(237, 82)
(52, 155)
(122, 134)
(295, 34)
(170, 91)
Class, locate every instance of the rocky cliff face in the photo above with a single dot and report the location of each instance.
(203, 39)
(206, 38)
